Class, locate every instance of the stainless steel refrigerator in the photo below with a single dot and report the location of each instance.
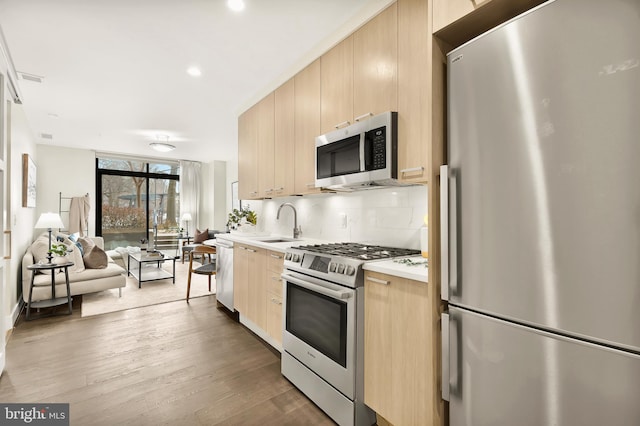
(541, 220)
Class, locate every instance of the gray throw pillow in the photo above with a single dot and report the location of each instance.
(95, 258)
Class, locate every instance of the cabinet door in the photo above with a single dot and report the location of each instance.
(257, 267)
(275, 265)
(375, 65)
(399, 357)
(336, 75)
(274, 316)
(307, 126)
(284, 132)
(247, 154)
(415, 94)
(240, 279)
(446, 12)
(266, 146)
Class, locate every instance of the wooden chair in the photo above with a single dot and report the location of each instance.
(208, 266)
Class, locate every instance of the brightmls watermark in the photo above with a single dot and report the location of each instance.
(34, 414)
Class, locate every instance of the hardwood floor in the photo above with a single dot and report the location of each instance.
(171, 364)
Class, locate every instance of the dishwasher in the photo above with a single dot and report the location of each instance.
(224, 272)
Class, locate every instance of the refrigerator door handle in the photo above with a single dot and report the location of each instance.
(445, 357)
(444, 232)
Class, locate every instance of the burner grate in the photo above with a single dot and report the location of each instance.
(359, 251)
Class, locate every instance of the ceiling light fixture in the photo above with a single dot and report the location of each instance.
(162, 146)
(194, 71)
(236, 5)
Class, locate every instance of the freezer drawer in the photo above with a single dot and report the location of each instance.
(500, 373)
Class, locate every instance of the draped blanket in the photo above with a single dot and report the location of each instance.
(79, 215)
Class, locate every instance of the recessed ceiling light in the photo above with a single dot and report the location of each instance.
(194, 71)
(236, 5)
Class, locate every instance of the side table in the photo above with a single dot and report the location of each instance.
(53, 301)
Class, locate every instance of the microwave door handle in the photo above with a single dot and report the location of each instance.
(363, 158)
(335, 294)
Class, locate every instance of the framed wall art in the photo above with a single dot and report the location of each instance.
(28, 181)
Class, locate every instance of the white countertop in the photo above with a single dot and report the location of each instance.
(262, 241)
(412, 272)
(390, 267)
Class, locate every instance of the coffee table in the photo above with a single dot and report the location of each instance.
(149, 267)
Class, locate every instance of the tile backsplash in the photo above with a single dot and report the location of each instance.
(389, 216)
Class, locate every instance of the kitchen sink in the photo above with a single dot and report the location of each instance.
(279, 240)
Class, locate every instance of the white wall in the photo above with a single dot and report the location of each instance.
(22, 141)
(390, 216)
(67, 170)
(218, 190)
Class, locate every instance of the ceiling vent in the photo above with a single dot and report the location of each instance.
(30, 77)
(46, 136)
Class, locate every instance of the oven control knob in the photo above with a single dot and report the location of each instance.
(350, 270)
(340, 268)
(287, 256)
(295, 258)
(332, 267)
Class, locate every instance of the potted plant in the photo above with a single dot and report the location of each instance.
(60, 251)
(243, 217)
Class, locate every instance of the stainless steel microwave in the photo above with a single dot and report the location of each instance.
(363, 154)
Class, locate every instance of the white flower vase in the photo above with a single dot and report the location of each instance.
(59, 260)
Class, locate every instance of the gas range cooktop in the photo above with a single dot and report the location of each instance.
(359, 251)
(340, 263)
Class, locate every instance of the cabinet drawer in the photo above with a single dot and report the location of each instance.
(274, 283)
(274, 316)
(275, 261)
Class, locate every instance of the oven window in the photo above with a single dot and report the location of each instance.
(319, 321)
(338, 158)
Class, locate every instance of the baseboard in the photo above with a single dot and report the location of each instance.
(11, 319)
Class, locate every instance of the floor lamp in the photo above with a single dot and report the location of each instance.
(49, 220)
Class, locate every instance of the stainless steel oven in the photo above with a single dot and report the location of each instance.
(320, 328)
(323, 338)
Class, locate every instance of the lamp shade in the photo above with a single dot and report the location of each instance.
(49, 220)
(186, 216)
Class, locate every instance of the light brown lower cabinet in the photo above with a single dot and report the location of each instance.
(258, 288)
(275, 264)
(400, 357)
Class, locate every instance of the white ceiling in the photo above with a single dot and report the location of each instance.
(115, 70)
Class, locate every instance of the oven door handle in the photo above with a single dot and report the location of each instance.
(336, 294)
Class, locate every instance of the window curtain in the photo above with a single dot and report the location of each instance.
(190, 181)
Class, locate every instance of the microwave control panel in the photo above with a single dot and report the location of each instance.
(375, 149)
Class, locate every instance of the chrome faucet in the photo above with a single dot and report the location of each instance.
(296, 229)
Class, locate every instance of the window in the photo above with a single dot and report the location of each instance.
(138, 200)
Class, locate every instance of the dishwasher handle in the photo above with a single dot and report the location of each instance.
(225, 244)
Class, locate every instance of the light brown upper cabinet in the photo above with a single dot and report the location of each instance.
(375, 65)
(446, 12)
(337, 86)
(458, 21)
(284, 140)
(416, 94)
(359, 75)
(247, 154)
(266, 146)
(307, 126)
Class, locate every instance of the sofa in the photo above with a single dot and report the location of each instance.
(82, 280)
